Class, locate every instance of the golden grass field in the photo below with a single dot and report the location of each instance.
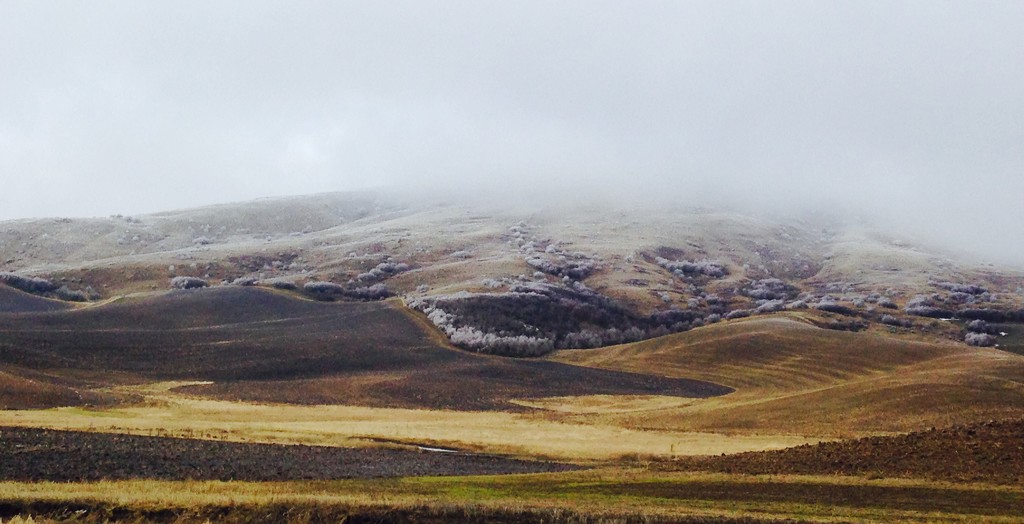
(793, 378)
(602, 495)
(169, 413)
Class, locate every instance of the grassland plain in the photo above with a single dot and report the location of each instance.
(170, 413)
(604, 495)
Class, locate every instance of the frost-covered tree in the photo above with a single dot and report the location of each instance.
(770, 289)
(890, 320)
(687, 268)
(382, 271)
(771, 306)
(323, 288)
(831, 306)
(980, 339)
(374, 292)
(980, 326)
(28, 284)
(69, 295)
(737, 313)
(183, 282)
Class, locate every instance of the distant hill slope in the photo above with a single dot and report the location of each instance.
(15, 301)
(17, 392)
(260, 344)
(767, 353)
(339, 235)
(22, 388)
(662, 269)
(793, 377)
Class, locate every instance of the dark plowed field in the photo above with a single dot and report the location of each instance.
(263, 345)
(39, 455)
(986, 452)
(474, 383)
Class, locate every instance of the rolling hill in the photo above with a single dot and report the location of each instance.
(454, 247)
(259, 344)
(570, 276)
(793, 377)
(16, 301)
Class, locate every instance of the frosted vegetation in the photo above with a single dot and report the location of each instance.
(534, 318)
(46, 288)
(495, 283)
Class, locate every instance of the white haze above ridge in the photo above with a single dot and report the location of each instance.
(908, 112)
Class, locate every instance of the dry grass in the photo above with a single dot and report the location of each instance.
(793, 378)
(606, 403)
(557, 497)
(166, 413)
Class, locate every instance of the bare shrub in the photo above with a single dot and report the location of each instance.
(374, 292)
(887, 303)
(980, 326)
(890, 320)
(28, 284)
(770, 289)
(69, 295)
(383, 270)
(687, 268)
(989, 315)
(565, 268)
(771, 306)
(846, 325)
(929, 311)
(927, 306)
(737, 313)
(833, 307)
(980, 339)
(970, 289)
(188, 283)
(323, 288)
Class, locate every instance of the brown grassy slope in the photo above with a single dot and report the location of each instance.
(18, 392)
(16, 301)
(22, 388)
(264, 345)
(793, 378)
(987, 451)
(769, 353)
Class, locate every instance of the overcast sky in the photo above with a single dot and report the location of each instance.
(913, 111)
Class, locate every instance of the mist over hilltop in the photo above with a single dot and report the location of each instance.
(906, 113)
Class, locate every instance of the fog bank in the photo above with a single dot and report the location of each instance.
(905, 111)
